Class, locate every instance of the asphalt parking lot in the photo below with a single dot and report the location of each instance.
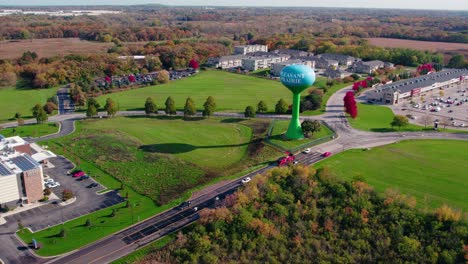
(87, 199)
(455, 114)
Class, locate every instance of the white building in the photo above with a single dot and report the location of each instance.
(276, 68)
(392, 93)
(249, 49)
(226, 62)
(261, 62)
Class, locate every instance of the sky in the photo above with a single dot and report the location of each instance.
(401, 4)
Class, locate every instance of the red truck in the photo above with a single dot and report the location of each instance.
(289, 159)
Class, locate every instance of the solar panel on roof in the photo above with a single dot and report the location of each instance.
(23, 163)
(4, 170)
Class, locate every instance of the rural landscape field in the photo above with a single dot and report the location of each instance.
(151, 133)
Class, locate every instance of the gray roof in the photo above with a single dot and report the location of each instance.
(4, 171)
(290, 52)
(289, 62)
(25, 162)
(231, 57)
(373, 63)
(407, 85)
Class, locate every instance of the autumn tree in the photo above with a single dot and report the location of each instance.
(150, 106)
(193, 64)
(350, 104)
(189, 108)
(49, 107)
(249, 111)
(110, 107)
(170, 106)
(209, 107)
(35, 109)
(41, 116)
(262, 107)
(399, 121)
(427, 119)
(163, 77)
(91, 111)
(94, 102)
(310, 127)
(281, 107)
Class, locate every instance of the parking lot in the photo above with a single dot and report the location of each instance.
(449, 106)
(87, 199)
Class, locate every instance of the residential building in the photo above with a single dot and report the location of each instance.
(367, 66)
(320, 63)
(393, 93)
(253, 63)
(293, 53)
(227, 62)
(21, 174)
(242, 50)
(276, 68)
(334, 73)
(345, 60)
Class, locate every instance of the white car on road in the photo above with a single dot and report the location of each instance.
(246, 180)
(306, 151)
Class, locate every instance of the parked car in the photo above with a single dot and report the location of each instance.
(92, 185)
(53, 185)
(306, 151)
(78, 173)
(326, 154)
(84, 177)
(246, 180)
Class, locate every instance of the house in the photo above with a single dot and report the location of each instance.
(253, 63)
(293, 53)
(21, 175)
(334, 73)
(227, 62)
(242, 50)
(345, 60)
(392, 93)
(276, 68)
(367, 66)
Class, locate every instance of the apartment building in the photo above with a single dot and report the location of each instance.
(276, 68)
(245, 49)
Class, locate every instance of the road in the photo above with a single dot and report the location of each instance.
(128, 240)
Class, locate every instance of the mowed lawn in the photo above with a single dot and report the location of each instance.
(35, 130)
(14, 100)
(433, 171)
(231, 91)
(207, 142)
(377, 118)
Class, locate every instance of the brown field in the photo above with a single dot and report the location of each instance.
(51, 47)
(442, 47)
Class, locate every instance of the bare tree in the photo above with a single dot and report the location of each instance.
(445, 122)
(427, 119)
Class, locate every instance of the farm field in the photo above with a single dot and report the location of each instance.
(281, 126)
(433, 171)
(36, 130)
(14, 100)
(232, 92)
(51, 47)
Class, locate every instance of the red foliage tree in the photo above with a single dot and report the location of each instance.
(131, 78)
(350, 104)
(193, 64)
(425, 68)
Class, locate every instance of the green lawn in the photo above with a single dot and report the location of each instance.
(232, 92)
(146, 250)
(281, 126)
(95, 146)
(14, 100)
(321, 82)
(36, 130)
(433, 171)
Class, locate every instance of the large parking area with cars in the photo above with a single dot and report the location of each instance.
(85, 190)
(448, 107)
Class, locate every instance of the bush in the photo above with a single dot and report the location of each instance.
(67, 195)
(47, 191)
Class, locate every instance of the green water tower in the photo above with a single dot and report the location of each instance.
(296, 78)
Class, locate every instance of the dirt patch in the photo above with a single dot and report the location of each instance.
(51, 47)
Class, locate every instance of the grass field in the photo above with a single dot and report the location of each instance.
(75, 147)
(51, 47)
(433, 171)
(232, 92)
(281, 126)
(321, 83)
(420, 45)
(36, 130)
(14, 100)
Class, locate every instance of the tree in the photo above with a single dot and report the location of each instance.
(399, 121)
(67, 194)
(457, 61)
(355, 76)
(262, 107)
(7, 79)
(91, 111)
(18, 115)
(281, 107)
(209, 106)
(313, 101)
(163, 77)
(310, 127)
(170, 106)
(194, 64)
(94, 102)
(150, 106)
(62, 233)
(41, 116)
(110, 107)
(427, 119)
(249, 111)
(35, 110)
(350, 104)
(88, 222)
(189, 108)
(49, 107)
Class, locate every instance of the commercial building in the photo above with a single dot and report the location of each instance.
(392, 93)
(242, 50)
(276, 68)
(21, 175)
